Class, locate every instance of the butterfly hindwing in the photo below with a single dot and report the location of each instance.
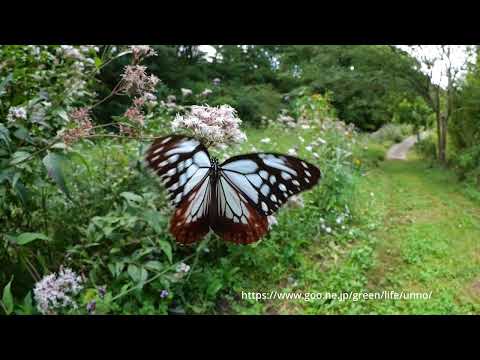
(181, 162)
(233, 217)
(267, 180)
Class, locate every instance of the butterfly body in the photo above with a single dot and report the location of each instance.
(233, 198)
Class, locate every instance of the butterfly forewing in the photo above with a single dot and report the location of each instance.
(267, 180)
(190, 221)
(181, 162)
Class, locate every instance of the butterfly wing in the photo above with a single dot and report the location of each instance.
(233, 217)
(190, 222)
(267, 180)
(184, 166)
(181, 162)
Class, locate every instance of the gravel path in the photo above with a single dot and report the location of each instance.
(399, 151)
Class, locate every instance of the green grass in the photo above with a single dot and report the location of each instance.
(415, 232)
(429, 240)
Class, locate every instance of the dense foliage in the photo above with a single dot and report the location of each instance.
(465, 126)
(84, 225)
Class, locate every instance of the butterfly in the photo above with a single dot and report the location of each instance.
(235, 198)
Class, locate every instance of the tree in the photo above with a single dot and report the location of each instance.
(442, 75)
(361, 78)
(415, 112)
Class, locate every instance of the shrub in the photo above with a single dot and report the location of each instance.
(252, 102)
(392, 132)
(427, 147)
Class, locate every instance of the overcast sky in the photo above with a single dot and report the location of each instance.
(459, 58)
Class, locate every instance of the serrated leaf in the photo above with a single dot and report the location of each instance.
(22, 134)
(154, 265)
(59, 145)
(143, 275)
(19, 156)
(5, 135)
(28, 237)
(166, 248)
(4, 83)
(132, 199)
(53, 163)
(152, 217)
(134, 272)
(7, 298)
(63, 114)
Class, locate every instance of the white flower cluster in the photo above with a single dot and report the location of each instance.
(15, 113)
(171, 104)
(56, 291)
(272, 221)
(77, 53)
(214, 125)
(216, 81)
(286, 120)
(293, 151)
(140, 51)
(296, 201)
(324, 227)
(81, 59)
(186, 92)
(206, 92)
(137, 82)
(183, 268)
(340, 221)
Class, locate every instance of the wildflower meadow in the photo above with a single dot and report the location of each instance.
(86, 222)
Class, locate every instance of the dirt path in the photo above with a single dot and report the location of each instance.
(399, 151)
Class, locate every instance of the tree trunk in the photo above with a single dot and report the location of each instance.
(439, 131)
(442, 143)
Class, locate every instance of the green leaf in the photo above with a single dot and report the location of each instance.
(21, 192)
(63, 114)
(22, 134)
(7, 298)
(59, 145)
(214, 287)
(143, 275)
(166, 248)
(132, 199)
(27, 238)
(4, 83)
(53, 163)
(27, 306)
(5, 135)
(19, 156)
(98, 62)
(15, 178)
(134, 272)
(154, 265)
(152, 217)
(79, 158)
